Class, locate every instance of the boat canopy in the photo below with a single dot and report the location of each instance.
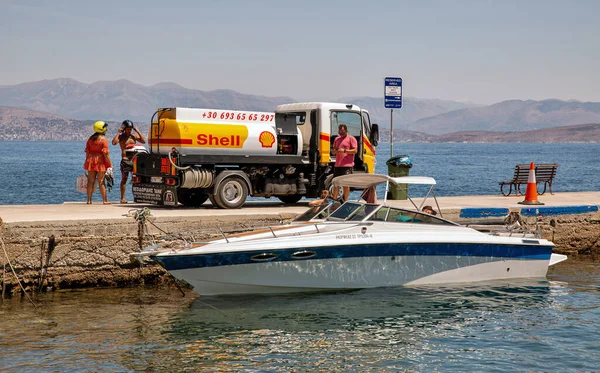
(363, 181)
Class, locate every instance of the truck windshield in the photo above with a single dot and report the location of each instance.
(350, 119)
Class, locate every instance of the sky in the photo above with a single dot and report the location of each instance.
(478, 51)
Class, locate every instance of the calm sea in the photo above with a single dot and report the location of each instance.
(532, 326)
(535, 326)
(45, 172)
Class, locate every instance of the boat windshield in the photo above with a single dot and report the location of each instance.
(353, 211)
(320, 212)
(312, 212)
(391, 214)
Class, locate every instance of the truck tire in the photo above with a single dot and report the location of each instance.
(231, 193)
(213, 200)
(191, 197)
(290, 199)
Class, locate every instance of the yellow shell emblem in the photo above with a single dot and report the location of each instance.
(266, 139)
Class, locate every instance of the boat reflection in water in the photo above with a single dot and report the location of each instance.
(359, 245)
(383, 327)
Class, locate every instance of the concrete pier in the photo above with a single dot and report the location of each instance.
(81, 211)
(74, 245)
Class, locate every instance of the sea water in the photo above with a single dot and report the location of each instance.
(535, 325)
(44, 172)
(522, 326)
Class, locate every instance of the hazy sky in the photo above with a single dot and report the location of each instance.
(479, 51)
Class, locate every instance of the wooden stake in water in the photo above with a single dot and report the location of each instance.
(3, 279)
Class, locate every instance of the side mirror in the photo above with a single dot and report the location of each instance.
(374, 134)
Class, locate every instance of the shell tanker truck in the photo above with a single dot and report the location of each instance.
(227, 155)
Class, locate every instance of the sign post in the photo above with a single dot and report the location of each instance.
(392, 98)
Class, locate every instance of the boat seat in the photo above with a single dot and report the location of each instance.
(408, 219)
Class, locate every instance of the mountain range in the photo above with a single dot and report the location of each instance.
(514, 115)
(75, 104)
(122, 99)
(23, 124)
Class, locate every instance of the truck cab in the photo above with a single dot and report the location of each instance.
(318, 123)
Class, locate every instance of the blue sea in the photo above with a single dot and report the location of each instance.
(519, 326)
(529, 326)
(44, 172)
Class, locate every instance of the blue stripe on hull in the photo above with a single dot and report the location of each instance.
(354, 251)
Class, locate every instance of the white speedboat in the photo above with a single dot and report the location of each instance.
(358, 245)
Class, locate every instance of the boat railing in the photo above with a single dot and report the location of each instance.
(235, 234)
(514, 230)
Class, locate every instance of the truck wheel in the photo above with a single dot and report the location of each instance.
(290, 199)
(191, 197)
(231, 193)
(213, 200)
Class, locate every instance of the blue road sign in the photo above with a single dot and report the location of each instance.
(392, 96)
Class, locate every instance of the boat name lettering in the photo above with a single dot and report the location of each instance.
(353, 236)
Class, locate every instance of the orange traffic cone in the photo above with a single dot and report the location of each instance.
(531, 196)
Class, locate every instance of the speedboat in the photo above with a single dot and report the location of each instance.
(357, 245)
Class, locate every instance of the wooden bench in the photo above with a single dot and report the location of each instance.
(544, 174)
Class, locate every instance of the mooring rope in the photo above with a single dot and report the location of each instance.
(14, 273)
(142, 216)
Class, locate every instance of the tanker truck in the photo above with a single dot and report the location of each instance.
(227, 155)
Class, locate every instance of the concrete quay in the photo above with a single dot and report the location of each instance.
(74, 245)
(465, 204)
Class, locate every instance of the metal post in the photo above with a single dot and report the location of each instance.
(391, 133)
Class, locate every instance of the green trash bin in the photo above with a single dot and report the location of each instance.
(398, 166)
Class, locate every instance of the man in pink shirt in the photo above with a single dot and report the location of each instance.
(344, 149)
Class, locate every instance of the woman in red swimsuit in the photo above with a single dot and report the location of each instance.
(97, 160)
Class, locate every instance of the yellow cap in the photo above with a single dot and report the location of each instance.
(100, 127)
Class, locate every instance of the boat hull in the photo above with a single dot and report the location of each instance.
(357, 273)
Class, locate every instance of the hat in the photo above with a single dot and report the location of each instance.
(100, 127)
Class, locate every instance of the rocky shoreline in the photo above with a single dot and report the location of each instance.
(54, 255)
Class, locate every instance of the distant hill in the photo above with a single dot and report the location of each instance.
(514, 115)
(122, 99)
(73, 101)
(22, 124)
(412, 110)
(574, 133)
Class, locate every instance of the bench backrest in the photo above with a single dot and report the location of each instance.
(543, 172)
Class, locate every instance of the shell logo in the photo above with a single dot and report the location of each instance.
(266, 139)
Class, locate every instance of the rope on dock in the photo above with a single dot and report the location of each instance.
(14, 273)
(143, 217)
